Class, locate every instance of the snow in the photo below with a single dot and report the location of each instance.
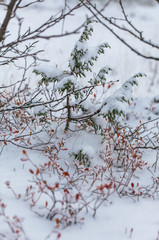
(65, 81)
(119, 218)
(116, 220)
(49, 71)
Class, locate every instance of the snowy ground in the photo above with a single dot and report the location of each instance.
(119, 218)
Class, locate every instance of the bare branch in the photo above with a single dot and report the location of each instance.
(133, 31)
(10, 50)
(7, 19)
